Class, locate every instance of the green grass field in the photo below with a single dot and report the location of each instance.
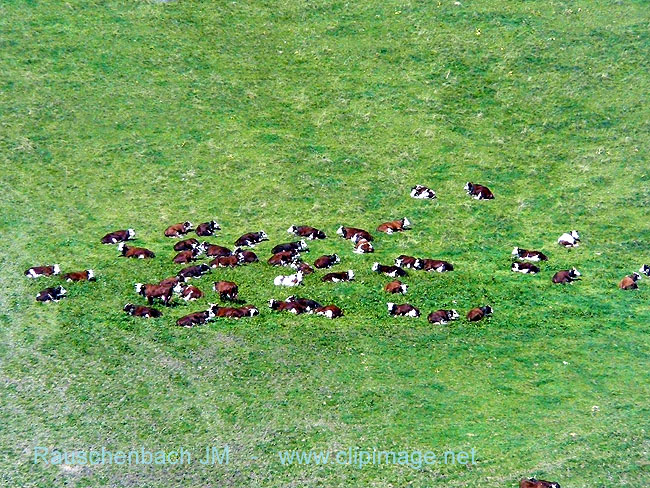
(265, 114)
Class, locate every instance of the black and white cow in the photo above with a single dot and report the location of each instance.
(422, 193)
(392, 271)
(526, 255)
(525, 268)
(51, 294)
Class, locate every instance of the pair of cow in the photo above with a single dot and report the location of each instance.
(630, 281)
(439, 317)
(297, 305)
(180, 229)
(214, 311)
(479, 192)
(423, 264)
(296, 279)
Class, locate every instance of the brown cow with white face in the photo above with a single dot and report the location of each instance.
(153, 291)
(196, 318)
(392, 271)
(245, 256)
(251, 239)
(178, 230)
(194, 271)
(535, 483)
(291, 307)
(362, 246)
(38, 271)
(566, 276)
(404, 261)
(404, 310)
(327, 261)
(329, 311)
(442, 317)
(422, 193)
(227, 290)
(214, 251)
(351, 232)
(142, 311)
(135, 252)
(51, 294)
(283, 258)
(525, 268)
(207, 229)
(188, 292)
(225, 261)
(303, 267)
(307, 232)
(396, 287)
(436, 265)
(118, 236)
(526, 255)
(395, 226)
(340, 276)
(185, 257)
(86, 275)
(186, 245)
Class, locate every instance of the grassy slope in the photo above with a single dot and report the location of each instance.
(118, 114)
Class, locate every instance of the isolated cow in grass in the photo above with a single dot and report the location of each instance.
(421, 192)
(51, 294)
(207, 229)
(396, 287)
(569, 239)
(479, 313)
(525, 268)
(307, 232)
(404, 310)
(566, 276)
(630, 282)
(85, 275)
(394, 226)
(178, 230)
(479, 192)
(329, 311)
(39, 271)
(118, 236)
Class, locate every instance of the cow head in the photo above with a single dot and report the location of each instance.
(252, 311)
(350, 274)
(273, 304)
(515, 251)
(178, 288)
(187, 225)
(56, 269)
(91, 274)
(60, 291)
(574, 273)
(212, 309)
(130, 233)
(575, 235)
(515, 267)
(375, 266)
(645, 269)
(391, 307)
(204, 268)
(129, 307)
(469, 187)
(341, 231)
(215, 225)
(292, 229)
(487, 310)
(635, 276)
(122, 247)
(263, 236)
(302, 246)
(337, 260)
(453, 315)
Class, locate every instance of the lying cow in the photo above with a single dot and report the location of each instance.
(227, 290)
(340, 276)
(188, 256)
(152, 291)
(226, 261)
(442, 317)
(39, 271)
(303, 267)
(289, 280)
(525, 268)
(291, 307)
(194, 271)
(362, 246)
(422, 193)
(329, 311)
(251, 239)
(135, 252)
(479, 192)
(295, 247)
(207, 229)
(187, 245)
(234, 313)
(307, 232)
(392, 271)
(436, 265)
(86, 275)
(566, 276)
(534, 483)
(351, 232)
(327, 261)
(630, 282)
(395, 226)
(141, 311)
(526, 255)
(404, 261)
(196, 318)
(118, 236)
(214, 251)
(478, 313)
(178, 230)
(189, 293)
(396, 287)
(404, 310)
(569, 239)
(283, 258)
(172, 281)
(51, 294)
(245, 256)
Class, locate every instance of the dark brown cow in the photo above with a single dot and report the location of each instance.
(118, 236)
(404, 261)
(251, 239)
(534, 483)
(185, 257)
(86, 275)
(214, 251)
(630, 282)
(38, 271)
(291, 307)
(525, 268)
(142, 311)
(327, 261)
(225, 262)
(51, 294)
(395, 226)
(234, 313)
(479, 192)
(308, 303)
(350, 232)
(404, 310)
(526, 255)
(329, 311)
(135, 252)
(340, 276)
(302, 267)
(306, 232)
(392, 271)
(172, 281)
(186, 245)
(194, 271)
(566, 276)
(207, 228)
(436, 265)
(442, 317)
(478, 313)
(190, 293)
(396, 287)
(295, 247)
(362, 246)
(283, 258)
(227, 290)
(178, 230)
(153, 291)
(245, 256)
(196, 318)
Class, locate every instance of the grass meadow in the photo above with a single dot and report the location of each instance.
(263, 114)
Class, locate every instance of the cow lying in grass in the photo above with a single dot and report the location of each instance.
(234, 313)
(479, 192)
(339, 276)
(534, 483)
(351, 232)
(442, 317)
(118, 236)
(566, 276)
(178, 230)
(392, 271)
(569, 239)
(525, 268)
(396, 287)
(207, 229)
(289, 280)
(630, 282)
(395, 226)
(306, 232)
(479, 313)
(294, 247)
(421, 192)
(135, 252)
(227, 290)
(51, 294)
(142, 311)
(404, 310)
(196, 318)
(526, 255)
(327, 261)
(153, 292)
(251, 239)
(39, 271)
(86, 275)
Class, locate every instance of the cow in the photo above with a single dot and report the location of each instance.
(526, 255)
(630, 282)
(142, 311)
(534, 483)
(283, 258)
(291, 307)
(442, 317)
(350, 232)
(227, 290)
(392, 271)
(436, 265)
(479, 192)
(187, 245)
(178, 230)
(340, 276)
(422, 193)
(245, 256)
(226, 261)
(196, 318)
(214, 251)
(569, 239)
(404, 261)
(172, 281)
(153, 291)
(194, 271)
(362, 246)
(185, 257)
(329, 311)
(478, 313)
(38, 271)
(645, 269)
(135, 252)
(327, 261)
(395, 226)
(207, 229)
(396, 287)
(296, 247)
(290, 280)
(303, 267)
(188, 292)
(51, 294)
(251, 239)
(307, 232)
(404, 310)
(566, 276)
(234, 313)
(86, 275)
(525, 268)
(309, 304)
(118, 236)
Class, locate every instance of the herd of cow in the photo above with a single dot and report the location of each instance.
(290, 255)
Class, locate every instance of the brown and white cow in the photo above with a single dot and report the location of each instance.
(38, 271)
(142, 311)
(566, 276)
(404, 261)
(535, 483)
(214, 251)
(329, 311)
(478, 313)
(186, 245)
(86, 275)
(283, 258)
(526, 255)
(227, 290)
(172, 281)
(234, 313)
(295, 247)
(422, 193)
(153, 291)
(251, 239)
(392, 271)
(362, 246)
(340, 276)
(188, 292)
(225, 261)
(135, 252)
(118, 236)
(196, 318)
(207, 228)
(327, 261)
(569, 239)
(303, 267)
(404, 310)
(185, 257)
(525, 268)
(245, 256)
(479, 192)
(442, 317)
(307, 232)
(51, 294)
(630, 282)
(289, 280)
(395, 226)
(194, 271)
(309, 304)
(350, 232)
(178, 230)
(291, 307)
(396, 287)
(436, 265)
(645, 269)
